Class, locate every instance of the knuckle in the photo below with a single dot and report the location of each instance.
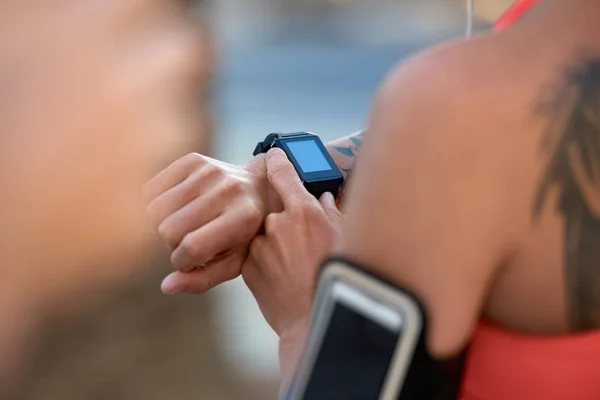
(203, 175)
(163, 230)
(253, 214)
(192, 160)
(231, 187)
(166, 233)
(189, 247)
(210, 170)
(189, 191)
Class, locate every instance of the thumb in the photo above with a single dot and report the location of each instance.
(333, 213)
(284, 178)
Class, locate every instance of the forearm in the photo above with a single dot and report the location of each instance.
(344, 152)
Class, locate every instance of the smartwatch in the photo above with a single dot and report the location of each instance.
(310, 158)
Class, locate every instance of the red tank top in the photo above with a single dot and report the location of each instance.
(514, 13)
(504, 365)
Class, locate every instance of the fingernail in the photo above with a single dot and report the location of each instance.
(328, 198)
(168, 286)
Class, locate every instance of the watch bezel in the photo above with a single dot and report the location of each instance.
(310, 177)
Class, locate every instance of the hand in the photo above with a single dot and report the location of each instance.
(281, 267)
(207, 212)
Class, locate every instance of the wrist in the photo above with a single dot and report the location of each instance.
(291, 345)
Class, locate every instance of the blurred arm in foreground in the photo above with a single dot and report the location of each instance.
(95, 95)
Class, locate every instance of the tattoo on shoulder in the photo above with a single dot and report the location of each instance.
(572, 143)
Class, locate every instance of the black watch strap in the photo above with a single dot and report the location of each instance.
(267, 144)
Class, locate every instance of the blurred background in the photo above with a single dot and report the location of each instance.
(280, 65)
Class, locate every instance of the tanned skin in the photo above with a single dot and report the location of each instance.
(478, 188)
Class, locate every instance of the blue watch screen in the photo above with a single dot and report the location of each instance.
(309, 156)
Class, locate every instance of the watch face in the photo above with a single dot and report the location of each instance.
(308, 155)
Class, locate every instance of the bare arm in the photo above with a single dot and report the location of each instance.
(431, 189)
(344, 152)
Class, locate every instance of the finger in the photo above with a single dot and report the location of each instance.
(189, 218)
(203, 279)
(171, 176)
(205, 209)
(218, 236)
(177, 197)
(330, 207)
(284, 178)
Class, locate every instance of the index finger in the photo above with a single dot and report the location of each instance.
(284, 178)
(171, 176)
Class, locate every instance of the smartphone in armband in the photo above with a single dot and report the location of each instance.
(367, 342)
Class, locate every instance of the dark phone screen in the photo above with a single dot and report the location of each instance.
(354, 358)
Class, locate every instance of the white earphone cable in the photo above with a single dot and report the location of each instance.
(470, 12)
